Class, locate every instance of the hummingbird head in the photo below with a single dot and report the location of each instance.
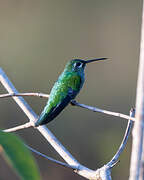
(78, 65)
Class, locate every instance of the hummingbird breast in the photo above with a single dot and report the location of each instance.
(63, 91)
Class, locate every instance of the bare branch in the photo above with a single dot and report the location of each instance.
(106, 172)
(138, 130)
(75, 103)
(41, 95)
(23, 126)
(114, 160)
(52, 159)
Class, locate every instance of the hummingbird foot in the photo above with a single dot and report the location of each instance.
(73, 102)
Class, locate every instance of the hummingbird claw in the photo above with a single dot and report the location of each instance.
(73, 102)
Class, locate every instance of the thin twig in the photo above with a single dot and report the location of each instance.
(52, 159)
(115, 158)
(41, 95)
(102, 110)
(23, 126)
(106, 172)
(73, 102)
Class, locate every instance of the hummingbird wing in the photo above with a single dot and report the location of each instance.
(61, 94)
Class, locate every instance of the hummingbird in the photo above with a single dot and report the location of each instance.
(65, 89)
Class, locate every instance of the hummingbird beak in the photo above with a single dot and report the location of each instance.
(92, 60)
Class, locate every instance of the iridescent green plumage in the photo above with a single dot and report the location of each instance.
(64, 90)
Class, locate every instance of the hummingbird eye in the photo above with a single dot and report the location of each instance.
(78, 64)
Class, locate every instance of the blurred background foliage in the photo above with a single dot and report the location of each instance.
(37, 38)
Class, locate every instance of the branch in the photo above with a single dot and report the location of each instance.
(106, 173)
(73, 102)
(52, 159)
(138, 131)
(23, 126)
(47, 157)
(41, 95)
(114, 160)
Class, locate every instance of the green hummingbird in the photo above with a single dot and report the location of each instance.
(65, 89)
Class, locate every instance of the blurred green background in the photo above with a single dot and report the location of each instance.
(37, 38)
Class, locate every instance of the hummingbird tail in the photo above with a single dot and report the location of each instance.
(48, 115)
(43, 119)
